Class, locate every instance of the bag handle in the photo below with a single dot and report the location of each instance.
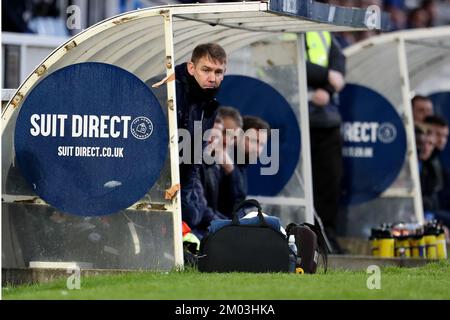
(244, 203)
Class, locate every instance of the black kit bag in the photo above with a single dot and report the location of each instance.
(311, 246)
(244, 248)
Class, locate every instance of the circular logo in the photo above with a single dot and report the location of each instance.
(374, 144)
(141, 128)
(83, 160)
(387, 132)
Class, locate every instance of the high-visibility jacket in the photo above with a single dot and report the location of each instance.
(323, 53)
(318, 47)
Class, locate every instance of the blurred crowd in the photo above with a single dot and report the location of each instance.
(404, 14)
(48, 16)
(431, 133)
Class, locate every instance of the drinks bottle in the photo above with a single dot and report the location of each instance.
(292, 254)
(430, 232)
(386, 242)
(417, 242)
(440, 241)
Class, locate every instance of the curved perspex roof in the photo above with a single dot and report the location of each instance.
(133, 40)
(374, 62)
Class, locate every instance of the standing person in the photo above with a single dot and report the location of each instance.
(197, 83)
(325, 76)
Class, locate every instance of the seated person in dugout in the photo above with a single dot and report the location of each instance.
(233, 152)
(248, 148)
(229, 124)
(426, 142)
(436, 179)
(214, 195)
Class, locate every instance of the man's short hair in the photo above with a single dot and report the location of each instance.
(419, 129)
(436, 120)
(417, 98)
(213, 51)
(230, 112)
(252, 122)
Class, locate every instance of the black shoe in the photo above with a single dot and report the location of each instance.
(190, 259)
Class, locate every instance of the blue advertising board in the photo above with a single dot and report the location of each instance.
(91, 139)
(374, 144)
(255, 97)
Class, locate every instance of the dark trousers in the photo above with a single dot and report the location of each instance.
(327, 170)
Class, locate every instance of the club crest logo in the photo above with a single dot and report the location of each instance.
(387, 132)
(141, 128)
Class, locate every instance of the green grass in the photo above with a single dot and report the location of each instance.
(428, 282)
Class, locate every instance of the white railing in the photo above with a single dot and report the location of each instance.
(33, 49)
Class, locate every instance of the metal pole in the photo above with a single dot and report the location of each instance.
(173, 144)
(304, 125)
(411, 153)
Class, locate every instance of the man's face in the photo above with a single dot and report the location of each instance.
(427, 146)
(441, 137)
(422, 109)
(208, 73)
(254, 142)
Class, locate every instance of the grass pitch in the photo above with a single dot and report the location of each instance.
(428, 282)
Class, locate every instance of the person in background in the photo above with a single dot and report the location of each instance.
(431, 7)
(229, 122)
(398, 14)
(429, 182)
(439, 127)
(438, 174)
(418, 18)
(421, 108)
(249, 147)
(16, 15)
(325, 76)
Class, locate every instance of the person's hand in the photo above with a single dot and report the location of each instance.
(223, 158)
(228, 168)
(227, 164)
(320, 98)
(336, 79)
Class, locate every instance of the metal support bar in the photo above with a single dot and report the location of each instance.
(304, 125)
(411, 154)
(173, 143)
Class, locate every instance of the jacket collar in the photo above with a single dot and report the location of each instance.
(193, 89)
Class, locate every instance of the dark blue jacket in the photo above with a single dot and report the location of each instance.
(233, 189)
(222, 191)
(211, 175)
(194, 104)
